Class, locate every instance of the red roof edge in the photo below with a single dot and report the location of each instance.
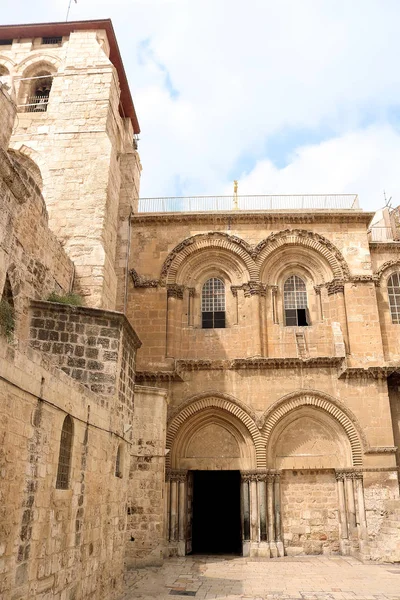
(127, 108)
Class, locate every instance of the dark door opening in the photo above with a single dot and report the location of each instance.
(216, 512)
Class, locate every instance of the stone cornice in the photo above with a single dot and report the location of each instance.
(373, 372)
(270, 216)
(385, 246)
(258, 363)
(382, 450)
(157, 376)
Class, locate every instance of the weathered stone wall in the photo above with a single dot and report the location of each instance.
(95, 347)
(309, 512)
(30, 254)
(78, 143)
(63, 543)
(146, 499)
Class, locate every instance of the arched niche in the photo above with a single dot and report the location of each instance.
(336, 424)
(319, 249)
(213, 440)
(307, 438)
(213, 414)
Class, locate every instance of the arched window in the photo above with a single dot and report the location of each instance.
(295, 302)
(7, 311)
(394, 296)
(64, 458)
(39, 91)
(118, 462)
(213, 304)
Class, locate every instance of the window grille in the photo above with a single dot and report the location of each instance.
(295, 302)
(118, 465)
(52, 40)
(394, 297)
(38, 99)
(64, 459)
(213, 304)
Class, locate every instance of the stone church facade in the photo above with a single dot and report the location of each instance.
(229, 382)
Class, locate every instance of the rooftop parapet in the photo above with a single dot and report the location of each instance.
(249, 203)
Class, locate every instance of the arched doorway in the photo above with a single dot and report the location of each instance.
(211, 442)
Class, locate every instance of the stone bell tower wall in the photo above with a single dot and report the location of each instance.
(78, 143)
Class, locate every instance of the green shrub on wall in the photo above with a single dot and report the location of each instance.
(69, 298)
(7, 319)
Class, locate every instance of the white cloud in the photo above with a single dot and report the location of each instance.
(246, 71)
(364, 162)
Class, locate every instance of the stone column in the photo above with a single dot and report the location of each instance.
(253, 291)
(271, 515)
(182, 513)
(167, 508)
(351, 506)
(274, 295)
(174, 293)
(254, 518)
(177, 508)
(245, 513)
(361, 518)
(262, 500)
(278, 523)
(343, 531)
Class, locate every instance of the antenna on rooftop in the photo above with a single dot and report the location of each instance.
(387, 202)
(69, 8)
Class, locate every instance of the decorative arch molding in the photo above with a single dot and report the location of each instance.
(8, 63)
(210, 262)
(42, 58)
(230, 243)
(388, 267)
(308, 239)
(322, 402)
(223, 402)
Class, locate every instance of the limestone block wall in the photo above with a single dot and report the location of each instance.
(172, 254)
(77, 144)
(95, 347)
(55, 542)
(30, 254)
(146, 498)
(309, 512)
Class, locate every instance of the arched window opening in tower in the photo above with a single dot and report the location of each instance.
(394, 297)
(40, 88)
(213, 304)
(118, 462)
(65, 455)
(295, 302)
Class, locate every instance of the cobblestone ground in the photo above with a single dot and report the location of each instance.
(231, 578)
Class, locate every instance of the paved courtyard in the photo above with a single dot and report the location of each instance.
(231, 578)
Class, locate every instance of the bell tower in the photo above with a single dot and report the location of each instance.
(77, 122)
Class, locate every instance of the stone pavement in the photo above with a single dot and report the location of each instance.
(297, 578)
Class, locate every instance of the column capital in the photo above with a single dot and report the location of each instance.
(174, 290)
(342, 474)
(176, 474)
(260, 475)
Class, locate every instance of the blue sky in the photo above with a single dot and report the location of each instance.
(287, 97)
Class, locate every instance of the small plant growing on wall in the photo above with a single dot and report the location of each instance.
(69, 298)
(7, 319)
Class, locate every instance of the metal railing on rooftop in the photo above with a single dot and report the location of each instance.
(249, 203)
